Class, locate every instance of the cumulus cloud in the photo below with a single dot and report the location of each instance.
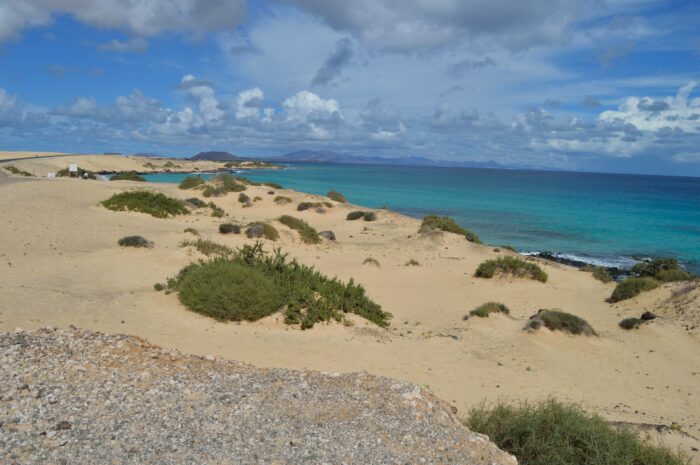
(248, 103)
(306, 105)
(335, 63)
(140, 18)
(203, 94)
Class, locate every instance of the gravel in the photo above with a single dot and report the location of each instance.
(79, 397)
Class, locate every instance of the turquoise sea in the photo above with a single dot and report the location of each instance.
(607, 219)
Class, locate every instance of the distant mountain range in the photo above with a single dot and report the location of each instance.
(326, 156)
(215, 156)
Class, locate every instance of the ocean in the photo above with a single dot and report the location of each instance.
(604, 219)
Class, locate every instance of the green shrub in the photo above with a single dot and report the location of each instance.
(216, 211)
(17, 171)
(447, 224)
(242, 198)
(484, 310)
(192, 231)
(158, 287)
(668, 276)
(630, 323)
(196, 203)
(370, 261)
(264, 230)
(228, 228)
(308, 205)
(369, 216)
(509, 247)
(215, 288)
(337, 196)
(190, 182)
(552, 433)
(306, 232)
(208, 247)
(511, 265)
(356, 215)
(632, 287)
(221, 185)
(282, 200)
(81, 173)
(412, 262)
(556, 320)
(135, 241)
(661, 269)
(228, 291)
(273, 185)
(600, 273)
(128, 176)
(158, 205)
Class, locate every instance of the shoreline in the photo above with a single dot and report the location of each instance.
(63, 267)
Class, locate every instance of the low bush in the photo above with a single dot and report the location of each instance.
(511, 265)
(632, 287)
(155, 204)
(196, 203)
(556, 320)
(128, 176)
(484, 310)
(242, 198)
(218, 287)
(509, 247)
(306, 232)
(192, 231)
(412, 262)
(282, 200)
(17, 171)
(228, 228)
(600, 273)
(81, 173)
(135, 241)
(370, 261)
(337, 196)
(190, 182)
(221, 185)
(262, 230)
(630, 323)
(216, 211)
(553, 433)
(356, 215)
(273, 185)
(208, 247)
(369, 216)
(661, 269)
(447, 224)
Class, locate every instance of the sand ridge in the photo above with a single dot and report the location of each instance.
(61, 265)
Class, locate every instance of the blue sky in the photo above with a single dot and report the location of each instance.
(562, 84)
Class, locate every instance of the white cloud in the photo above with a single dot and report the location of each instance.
(135, 45)
(248, 104)
(203, 94)
(305, 104)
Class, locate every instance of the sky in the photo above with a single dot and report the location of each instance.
(599, 85)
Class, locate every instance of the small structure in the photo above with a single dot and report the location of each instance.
(73, 170)
(51, 174)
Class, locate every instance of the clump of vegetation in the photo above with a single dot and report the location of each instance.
(511, 265)
(158, 287)
(370, 261)
(662, 269)
(17, 171)
(337, 196)
(228, 228)
(551, 432)
(600, 273)
(155, 204)
(208, 247)
(556, 320)
(222, 184)
(216, 211)
(257, 198)
(282, 200)
(190, 182)
(315, 205)
(196, 203)
(249, 284)
(306, 232)
(135, 241)
(192, 231)
(509, 247)
(632, 287)
(369, 216)
(447, 224)
(264, 230)
(242, 198)
(273, 185)
(630, 323)
(356, 215)
(128, 176)
(412, 262)
(484, 310)
(81, 173)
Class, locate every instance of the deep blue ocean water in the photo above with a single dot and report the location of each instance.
(601, 218)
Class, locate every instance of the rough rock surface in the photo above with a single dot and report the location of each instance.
(73, 396)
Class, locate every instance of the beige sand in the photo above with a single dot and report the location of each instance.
(61, 265)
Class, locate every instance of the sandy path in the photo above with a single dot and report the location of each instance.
(60, 265)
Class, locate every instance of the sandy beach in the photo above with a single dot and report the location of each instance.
(61, 266)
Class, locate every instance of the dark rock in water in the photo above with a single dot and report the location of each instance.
(330, 235)
(647, 316)
(255, 231)
(617, 273)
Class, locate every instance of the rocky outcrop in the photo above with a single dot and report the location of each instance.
(73, 396)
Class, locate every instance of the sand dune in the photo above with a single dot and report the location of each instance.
(61, 265)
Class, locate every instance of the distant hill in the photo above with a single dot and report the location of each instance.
(327, 156)
(215, 156)
(147, 155)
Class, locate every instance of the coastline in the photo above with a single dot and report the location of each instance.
(64, 267)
